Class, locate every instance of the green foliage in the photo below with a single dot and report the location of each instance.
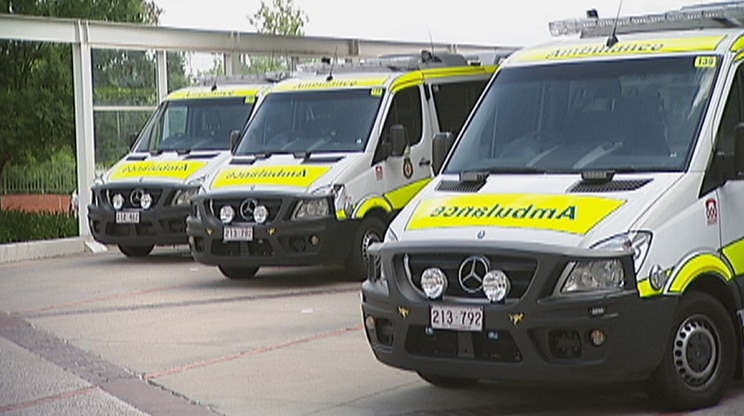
(282, 17)
(36, 82)
(17, 226)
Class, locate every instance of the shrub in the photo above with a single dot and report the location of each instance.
(18, 226)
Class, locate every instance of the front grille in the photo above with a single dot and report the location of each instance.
(272, 204)
(131, 196)
(498, 346)
(519, 271)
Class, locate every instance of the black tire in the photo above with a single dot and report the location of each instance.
(700, 357)
(238, 273)
(371, 230)
(447, 382)
(135, 251)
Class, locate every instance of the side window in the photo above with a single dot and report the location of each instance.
(732, 115)
(454, 102)
(406, 110)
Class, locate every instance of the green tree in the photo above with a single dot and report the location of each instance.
(281, 18)
(36, 91)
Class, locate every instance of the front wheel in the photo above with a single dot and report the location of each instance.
(371, 230)
(135, 251)
(238, 273)
(700, 357)
(447, 382)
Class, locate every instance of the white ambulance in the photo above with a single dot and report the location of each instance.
(588, 225)
(143, 200)
(327, 160)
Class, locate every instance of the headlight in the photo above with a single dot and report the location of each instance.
(146, 201)
(227, 213)
(183, 196)
(433, 282)
(594, 276)
(311, 208)
(636, 241)
(117, 201)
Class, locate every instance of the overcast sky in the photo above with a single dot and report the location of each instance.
(487, 22)
(492, 22)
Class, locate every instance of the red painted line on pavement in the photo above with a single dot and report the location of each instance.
(99, 299)
(48, 399)
(257, 351)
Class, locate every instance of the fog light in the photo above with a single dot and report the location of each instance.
(598, 337)
(314, 240)
(433, 282)
(261, 214)
(227, 213)
(369, 322)
(146, 201)
(117, 201)
(496, 285)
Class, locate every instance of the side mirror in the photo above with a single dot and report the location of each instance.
(398, 140)
(440, 147)
(234, 139)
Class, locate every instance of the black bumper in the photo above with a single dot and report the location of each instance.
(279, 242)
(157, 226)
(536, 338)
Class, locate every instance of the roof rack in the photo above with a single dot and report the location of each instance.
(267, 78)
(387, 63)
(710, 15)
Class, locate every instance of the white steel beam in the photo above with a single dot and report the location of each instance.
(86, 164)
(162, 74)
(143, 37)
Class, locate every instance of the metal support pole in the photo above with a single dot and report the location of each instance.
(162, 75)
(82, 71)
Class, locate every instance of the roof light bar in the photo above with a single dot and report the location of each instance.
(712, 15)
(424, 59)
(267, 78)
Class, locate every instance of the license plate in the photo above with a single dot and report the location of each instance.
(127, 217)
(460, 318)
(237, 234)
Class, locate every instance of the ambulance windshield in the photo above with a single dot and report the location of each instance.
(203, 124)
(621, 115)
(312, 121)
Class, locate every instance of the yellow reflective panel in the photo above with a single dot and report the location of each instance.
(298, 85)
(367, 205)
(734, 253)
(302, 176)
(156, 169)
(696, 266)
(218, 93)
(565, 213)
(655, 46)
(645, 290)
(401, 196)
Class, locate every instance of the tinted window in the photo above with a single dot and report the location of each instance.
(639, 114)
(406, 110)
(195, 124)
(454, 102)
(312, 121)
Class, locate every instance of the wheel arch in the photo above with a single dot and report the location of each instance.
(717, 287)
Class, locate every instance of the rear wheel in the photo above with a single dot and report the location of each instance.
(447, 382)
(700, 357)
(135, 251)
(238, 273)
(371, 230)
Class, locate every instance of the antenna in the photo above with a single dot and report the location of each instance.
(431, 42)
(612, 39)
(333, 62)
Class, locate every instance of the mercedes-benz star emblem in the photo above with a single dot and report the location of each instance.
(471, 273)
(136, 197)
(247, 208)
